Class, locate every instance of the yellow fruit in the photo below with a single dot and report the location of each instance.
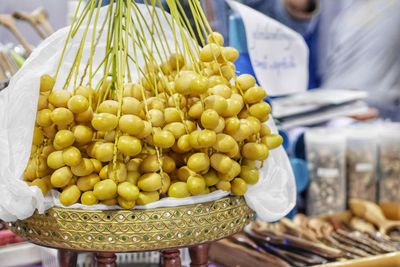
(117, 172)
(178, 190)
(183, 144)
(108, 106)
(198, 162)
(221, 162)
(216, 102)
(132, 177)
(239, 187)
(228, 70)
(211, 178)
(84, 117)
(163, 139)
(146, 130)
(196, 184)
(166, 182)
(87, 183)
(264, 130)
(85, 167)
(88, 198)
(249, 174)
(62, 116)
(156, 117)
(125, 204)
(134, 164)
(229, 53)
(168, 164)
(105, 190)
(216, 38)
(147, 197)
(196, 110)
(221, 90)
(104, 152)
(70, 195)
(260, 110)
(171, 115)
(232, 173)
(272, 141)
(224, 143)
(131, 124)
(183, 83)
(84, 91)
(104, 122)
(110, 202)
(72, 156)
(38, 136)
(61, 177)
(128, 191)
(245, 81)
(43, 101)
(42, 185)
(206, 138)
(49, 131)
(59, 98)
(150, 164)
(249, 163)
(63, 139)
(209, 119)
(176, 128)
(231, 125)
(254, 151)
(254, 94)
(131, 105)
(82, 134)
(104, 173)
(150, 182)
(176, 61)
(43, 118)
(224, 185)
(129, 145)
(78, 104)
(55, 160)
(46, 83)
(210, 52)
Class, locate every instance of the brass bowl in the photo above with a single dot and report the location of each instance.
(135, 230)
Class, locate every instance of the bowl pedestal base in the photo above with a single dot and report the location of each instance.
(169, 257)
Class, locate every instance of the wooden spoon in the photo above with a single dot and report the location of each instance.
(41, 17)
(372, 213)
(25, 16)
(9, 22)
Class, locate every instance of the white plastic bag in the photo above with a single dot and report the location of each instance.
(271, 198)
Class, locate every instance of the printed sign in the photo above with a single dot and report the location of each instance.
(278, 54)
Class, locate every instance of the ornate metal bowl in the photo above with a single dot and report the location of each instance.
(135, 230)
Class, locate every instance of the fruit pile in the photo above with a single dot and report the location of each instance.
(186, 127)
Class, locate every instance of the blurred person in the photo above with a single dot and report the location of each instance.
(353, 44)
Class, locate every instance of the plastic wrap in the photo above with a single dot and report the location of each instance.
(272, 197)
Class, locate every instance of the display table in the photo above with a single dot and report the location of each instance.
(114, 231)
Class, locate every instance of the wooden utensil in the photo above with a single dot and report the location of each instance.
(31, 19)
(230, 254)
(9, 22)
(41, 17)
(372, 213)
